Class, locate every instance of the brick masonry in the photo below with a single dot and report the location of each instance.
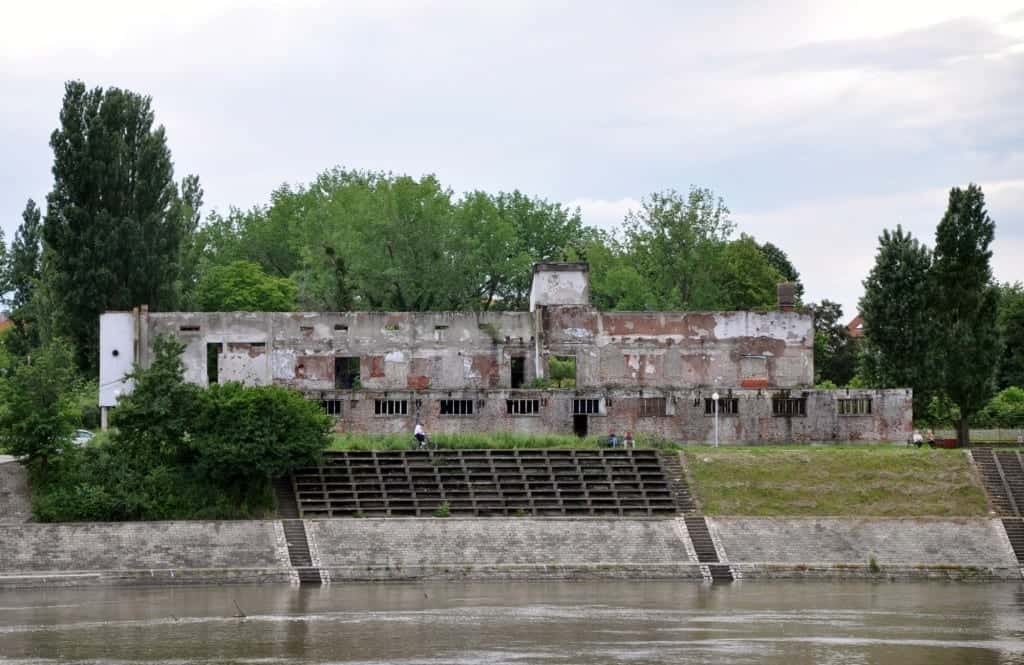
(15, 504)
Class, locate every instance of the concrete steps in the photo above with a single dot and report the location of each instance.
(1015, 532)
(704, 546)
(1012, 468)
(284, 492)
(486, 482)
(298, 551)
(673, 466)
(995, 483)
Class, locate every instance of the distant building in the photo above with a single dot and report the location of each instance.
(856, 327)
(653, 373)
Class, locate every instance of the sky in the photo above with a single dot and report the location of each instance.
(820, 123)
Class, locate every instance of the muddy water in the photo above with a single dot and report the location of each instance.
(636, 623)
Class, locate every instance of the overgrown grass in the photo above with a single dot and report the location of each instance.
(882, 481)
(483, 440)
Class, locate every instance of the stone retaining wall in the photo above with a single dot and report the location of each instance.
(510, 548)
(147, 546)
(15, 504)
(44, 555)
(766, 546)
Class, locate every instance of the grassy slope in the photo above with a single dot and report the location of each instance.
(840, 481)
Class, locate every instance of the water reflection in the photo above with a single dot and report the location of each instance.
(637, 623)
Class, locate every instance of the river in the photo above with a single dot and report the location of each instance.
(521, 623)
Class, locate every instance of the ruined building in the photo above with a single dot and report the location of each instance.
(652, 373)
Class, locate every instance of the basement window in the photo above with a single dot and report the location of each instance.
(390, 407)
(586, 407)
(346, 372)
(789, 406)
(522, 407)
(331, 407)
(854, 406)
(650, 407)
(456, 407)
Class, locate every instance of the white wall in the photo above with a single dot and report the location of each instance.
(117, 353)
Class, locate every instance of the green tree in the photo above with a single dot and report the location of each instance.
(243, 286)
(615, 283)
(1005, 409)
(835, 352)
(153, 420)
(245, 435)
(38, 411)
(1011, 331)
(899, 348)
(25, 266)
(965, 304)
(744, 277)
(113, 222)
(780, 261)
(675, 242)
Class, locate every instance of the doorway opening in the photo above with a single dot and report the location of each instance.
(579, 426)
(518, 371)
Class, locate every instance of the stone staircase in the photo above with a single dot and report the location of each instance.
(298, 552)
(518, 482)
(672, 463)
(284, 492)
(1003, 477)
(700, 535)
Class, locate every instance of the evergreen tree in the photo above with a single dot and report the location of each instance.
(835, 352)
(898, 326)
(113, 221)
(780, 261)
(965, 303)
(23, 276)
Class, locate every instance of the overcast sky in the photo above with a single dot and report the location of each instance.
(820, 123)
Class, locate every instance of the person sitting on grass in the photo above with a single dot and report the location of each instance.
(613, 441)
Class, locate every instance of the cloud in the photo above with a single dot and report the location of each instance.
(604, 214)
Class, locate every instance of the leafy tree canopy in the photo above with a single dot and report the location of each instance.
(243, 286)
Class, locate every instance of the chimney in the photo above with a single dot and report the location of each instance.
(786, 296)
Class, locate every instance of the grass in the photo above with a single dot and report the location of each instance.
(878, 481)
(483, 440)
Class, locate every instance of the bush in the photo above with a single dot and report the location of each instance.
(38, 415)
(245, 433)
(1006, 409)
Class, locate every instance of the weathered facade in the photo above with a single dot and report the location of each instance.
(645, 372)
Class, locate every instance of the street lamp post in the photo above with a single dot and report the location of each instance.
(714, 402)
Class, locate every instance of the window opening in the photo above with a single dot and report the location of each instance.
(456, 407)
(331, 407)
(189, 329)
(789, 406)
(340, 328)
(854, 406)
(727, 406)
(586, 407)
(562, 371)
(390, 407)
(651, 407)
(522, 407)
(518, 371)
(213, 351)
(346, 372)
(440, 333)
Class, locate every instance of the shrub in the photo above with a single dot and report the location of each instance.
(154, 419)
(244, 433)
(37, 415)
(1006, 409)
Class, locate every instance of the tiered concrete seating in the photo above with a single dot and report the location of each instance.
(486, 482)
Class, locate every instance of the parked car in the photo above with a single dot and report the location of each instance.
(82, 437)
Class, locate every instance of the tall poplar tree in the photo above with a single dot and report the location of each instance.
(24, 270)
(898, 327)
(113, 220)
(966, 304)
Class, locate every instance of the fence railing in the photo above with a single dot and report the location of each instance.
(993, 435)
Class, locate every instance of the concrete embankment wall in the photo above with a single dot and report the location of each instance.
(844, 547)
(143, 552)
(390, 549)
(398, 549)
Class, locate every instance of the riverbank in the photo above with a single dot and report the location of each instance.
(493, 549)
